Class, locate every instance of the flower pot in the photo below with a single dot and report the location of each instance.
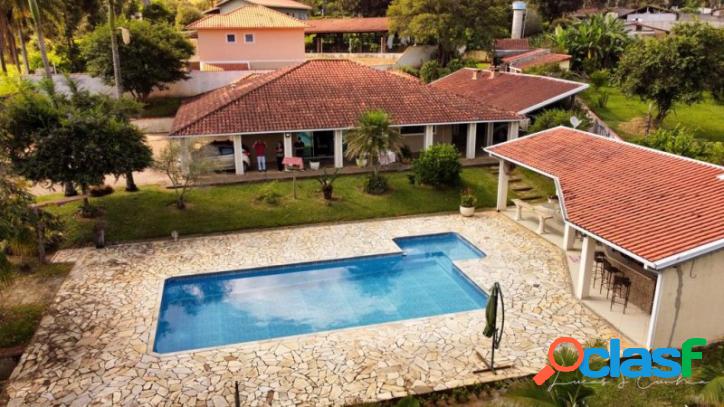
(465, 211)
(314, 165)
(361, 162)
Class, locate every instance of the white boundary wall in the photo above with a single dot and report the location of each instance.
(198, 82)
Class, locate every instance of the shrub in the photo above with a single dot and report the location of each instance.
(376, 184)
(429, 71)
(468, 199)
(438, 166)
(558, 117)
(410, 70)
(268, 194)
(100, 190)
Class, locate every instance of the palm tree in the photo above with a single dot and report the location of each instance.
(374, 136)
(35, 11)
(598, 41)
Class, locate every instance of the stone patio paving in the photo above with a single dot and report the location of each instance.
(93, 347)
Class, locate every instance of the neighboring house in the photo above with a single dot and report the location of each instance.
(660, 213)
(535, 58)
(308, 108)
(638, 29)
(510, 46)
(522, 93)
(289, 7)
(249, 37)
(349, 34)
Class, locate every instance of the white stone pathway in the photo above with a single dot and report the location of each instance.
(93, 346)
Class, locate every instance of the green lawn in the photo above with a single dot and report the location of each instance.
(706, 119)
(151, 214)
(25, 296)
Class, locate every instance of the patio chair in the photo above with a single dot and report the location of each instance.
(600, 266)
(607, 282)
(620, 291)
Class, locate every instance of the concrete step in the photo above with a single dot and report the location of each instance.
(530, 198)
(521, 188)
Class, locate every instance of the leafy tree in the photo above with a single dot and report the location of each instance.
(552, 9)
(676, 69)
(373, 136)
(78, 139)
(186, 14)
(557, 117)
(155, 56)
(438, 166)
(594, 43)
(711, 40)
(156, 12)
(450, 24)
(680, 141)
(14, 204)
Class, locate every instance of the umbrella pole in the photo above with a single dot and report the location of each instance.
(492, 352)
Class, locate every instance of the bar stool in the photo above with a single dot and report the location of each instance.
(611, 272)
(620, 290)
(599, 267)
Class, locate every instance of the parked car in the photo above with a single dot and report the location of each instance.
(221, 155)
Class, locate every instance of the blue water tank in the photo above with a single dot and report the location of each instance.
(519, 5)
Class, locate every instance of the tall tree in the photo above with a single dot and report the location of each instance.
(676, 69)
(450, 24)
(35, 11)
(155, 56)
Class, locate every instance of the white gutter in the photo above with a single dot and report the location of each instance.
(555, 99)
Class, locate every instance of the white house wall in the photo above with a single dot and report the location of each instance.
(691, 303)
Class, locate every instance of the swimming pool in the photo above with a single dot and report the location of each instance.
(217, 309)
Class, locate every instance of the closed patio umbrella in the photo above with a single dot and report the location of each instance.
(491, 318)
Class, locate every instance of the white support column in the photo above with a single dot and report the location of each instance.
(489, 134)
(502, 187)
(569, 237)
(470, 146)
(338, 147)
(238, 156)
(585, 268)
(288, 146)
(513, 128)
(429, 134)
(185, 155)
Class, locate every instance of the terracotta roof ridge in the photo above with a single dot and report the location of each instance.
(261, 81)
(243, 8)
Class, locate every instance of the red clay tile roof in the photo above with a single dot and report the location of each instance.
(536, 57)
(250, 16)
(511, 44)
(652, 204)
(348, 25)
(324, 94)
(220, 67)
(282, 4)
(508, 91)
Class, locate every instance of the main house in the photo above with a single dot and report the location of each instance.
(309, 106)
(248, 37)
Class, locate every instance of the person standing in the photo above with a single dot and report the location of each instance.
(260, 150)
(280, 156)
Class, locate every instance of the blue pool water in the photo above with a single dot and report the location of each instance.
(247, 305)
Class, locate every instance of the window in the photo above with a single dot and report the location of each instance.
(226, 150)
(249, 38)
(231, 38)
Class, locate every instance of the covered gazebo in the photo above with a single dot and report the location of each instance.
(649, 219)
(349, 34)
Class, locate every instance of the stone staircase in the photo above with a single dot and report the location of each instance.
(517, 184)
